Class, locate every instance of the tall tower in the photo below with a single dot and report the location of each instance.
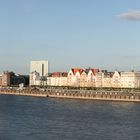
(38, 72)
(41, 67)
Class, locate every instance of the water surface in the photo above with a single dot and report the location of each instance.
(35, 118)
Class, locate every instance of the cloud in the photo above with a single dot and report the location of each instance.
(132, 15)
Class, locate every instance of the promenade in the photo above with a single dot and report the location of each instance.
(129, 96)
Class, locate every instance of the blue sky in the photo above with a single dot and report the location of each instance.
(70, 33)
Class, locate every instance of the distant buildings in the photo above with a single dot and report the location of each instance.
(78, 77)
(75, 77)
(0, 79)
(5, 78)
(40, 66)
(57, 79)
(82, 78)
(130, 79)
(38, 72)
(11, 79)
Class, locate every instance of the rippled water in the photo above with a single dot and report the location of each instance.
(33, 118)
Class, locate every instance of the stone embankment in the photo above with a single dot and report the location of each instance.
(129, 96)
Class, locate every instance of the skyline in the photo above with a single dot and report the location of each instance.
(82, 33)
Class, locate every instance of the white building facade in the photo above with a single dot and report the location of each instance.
(78, 77)
(83, 78)
(57, 79)
(40, 69)
(130, 79)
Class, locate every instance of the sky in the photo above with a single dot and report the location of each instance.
(70, 33)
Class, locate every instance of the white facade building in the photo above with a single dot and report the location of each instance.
(130, 79)
(74, 76)
(82, 78)
(78, 77)
(41, 68)
(116, 80)
(57, 79)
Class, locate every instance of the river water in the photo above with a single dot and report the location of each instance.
(36, 118)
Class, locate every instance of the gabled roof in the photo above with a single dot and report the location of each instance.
(87, 71)
(95, 71)
(118, 72)
(75, 70)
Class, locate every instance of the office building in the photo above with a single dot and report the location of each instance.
(39, 67)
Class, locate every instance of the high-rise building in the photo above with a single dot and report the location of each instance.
(40, 66)
(38, 72)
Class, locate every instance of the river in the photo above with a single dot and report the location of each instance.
(38, 118)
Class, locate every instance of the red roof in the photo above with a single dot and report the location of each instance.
(75, 70)
(95, 71)
(59, 74)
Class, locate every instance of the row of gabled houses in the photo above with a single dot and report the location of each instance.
(78, 77)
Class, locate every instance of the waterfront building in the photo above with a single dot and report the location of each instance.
(116, 80)
(41, 68)
(0, 80)
(35, 78)
(74, 77)
(57, 79)
(83, 79)
(11, 79)
(99, 79)
(6, 78)
(107, 78)
(79, 77)
(92, 77)
(130, 79)
(137, 78)
(121, 79)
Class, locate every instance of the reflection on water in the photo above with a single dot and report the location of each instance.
(32, 118)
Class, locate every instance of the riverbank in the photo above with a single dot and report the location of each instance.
(77, 94)
(22, 94)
